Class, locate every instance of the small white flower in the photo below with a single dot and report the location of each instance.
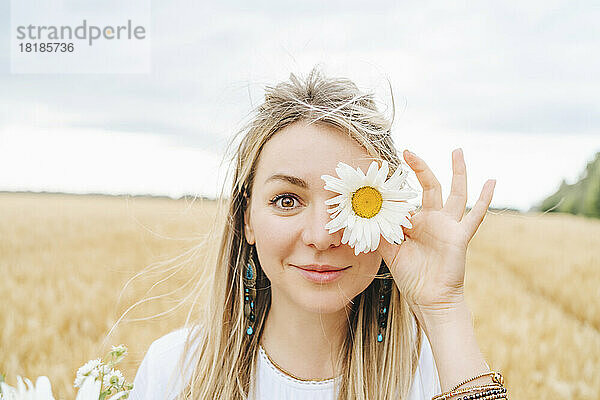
(42, 390)
(369, 206)
(105, 369)
(89, 368)
(119, 350)
(90, 390)
(114, 378)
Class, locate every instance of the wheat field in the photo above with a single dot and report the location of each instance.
(532, 283)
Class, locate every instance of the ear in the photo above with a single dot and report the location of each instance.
(248, 231)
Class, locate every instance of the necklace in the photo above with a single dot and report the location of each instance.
(289, 373)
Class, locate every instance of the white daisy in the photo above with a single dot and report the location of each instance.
(42, 389)
(91, 367)
(114, 378)
(368, 205)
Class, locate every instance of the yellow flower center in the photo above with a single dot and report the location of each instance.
(366, 202)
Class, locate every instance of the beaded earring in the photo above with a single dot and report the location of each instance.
(249, 278)
(383, 302)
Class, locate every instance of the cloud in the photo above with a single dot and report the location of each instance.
(492, 68)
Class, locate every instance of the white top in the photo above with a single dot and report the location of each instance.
(152, 379)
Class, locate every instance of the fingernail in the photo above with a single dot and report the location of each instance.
(410, 153)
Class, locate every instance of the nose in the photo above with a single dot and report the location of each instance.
(314, 232)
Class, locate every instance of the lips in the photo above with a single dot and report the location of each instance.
(321, 268)
(322, 277)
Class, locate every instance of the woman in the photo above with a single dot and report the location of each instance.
(271, 330)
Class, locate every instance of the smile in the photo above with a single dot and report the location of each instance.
(322, 276)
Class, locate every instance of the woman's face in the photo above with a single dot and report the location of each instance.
(287, 215)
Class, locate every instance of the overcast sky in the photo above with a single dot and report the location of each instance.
(515, 84)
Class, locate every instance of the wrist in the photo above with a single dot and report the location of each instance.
(451, 334)
(439, 318)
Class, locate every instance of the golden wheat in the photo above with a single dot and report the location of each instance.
(532, 284)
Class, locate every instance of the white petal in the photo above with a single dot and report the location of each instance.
(350, 176)
(21, 389)
(400, 235)
(406, 223)
(384, 228)
(396, 179)
(366, 235)
(8, 391)
(353, 233)
(392, 227)
(346, 236)
(362, 238)
(396, 195)
(397, 206)
(336, 200)
(356, 183)
(370, 236)
(394, 217)
(335, 225)
(360, 228)
(339, 222)
(397, 218)
(336, 214)
(382, 174)
(352, 220)
(346, 172)
(375, 234)
(360, 174)
(332, 180)
(372, 172)
(338, 187)
(334, 211)
(329, 178)
(89, 390)
(360, 243)
(118, 395)
(43, 388)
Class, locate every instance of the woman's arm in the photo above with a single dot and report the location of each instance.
(429, 269)
(454, 346)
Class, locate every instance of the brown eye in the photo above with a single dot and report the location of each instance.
(287, 201)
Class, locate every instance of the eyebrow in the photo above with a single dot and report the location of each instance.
(294, 180)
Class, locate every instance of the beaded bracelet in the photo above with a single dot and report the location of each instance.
(496, 378)
(489, 395)
(500, 396)
(486, 395)
(471, 389)
(482, 392)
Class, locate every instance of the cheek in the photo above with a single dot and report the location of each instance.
(275, 235)
(369, 266)
(362, 277)
(369, 263)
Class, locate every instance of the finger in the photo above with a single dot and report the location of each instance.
(457, 200)
(388, 251)
(474, 218)
(432, 190)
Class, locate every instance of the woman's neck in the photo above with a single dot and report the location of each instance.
(304, 343)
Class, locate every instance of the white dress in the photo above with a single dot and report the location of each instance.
(153, 379)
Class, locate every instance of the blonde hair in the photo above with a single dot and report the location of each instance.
(224, 360)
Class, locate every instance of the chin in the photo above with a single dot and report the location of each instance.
(325, 301)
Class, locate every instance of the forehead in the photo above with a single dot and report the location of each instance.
(309, 151)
